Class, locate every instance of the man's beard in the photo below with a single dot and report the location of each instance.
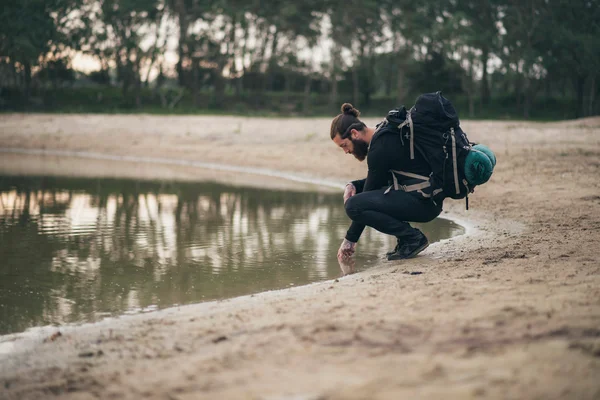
(361, 148)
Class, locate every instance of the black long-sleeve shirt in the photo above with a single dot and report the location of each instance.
(387, 151)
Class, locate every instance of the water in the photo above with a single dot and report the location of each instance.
(78, 250)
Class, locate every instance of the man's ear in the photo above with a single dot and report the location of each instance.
(354, 133)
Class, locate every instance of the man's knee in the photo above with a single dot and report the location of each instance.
(352, 208)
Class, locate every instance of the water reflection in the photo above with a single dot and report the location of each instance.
(79, 249)
(347, 265)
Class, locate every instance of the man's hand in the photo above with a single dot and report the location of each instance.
(349, 191)
(347, 249)
(347, 265)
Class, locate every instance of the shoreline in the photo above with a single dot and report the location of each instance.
(34, 335)
(277, 181)
(511, 309)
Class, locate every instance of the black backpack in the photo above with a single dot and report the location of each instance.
(432, 128)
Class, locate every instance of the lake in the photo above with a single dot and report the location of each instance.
(81, 249)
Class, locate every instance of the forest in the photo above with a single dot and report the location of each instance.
(529, 59)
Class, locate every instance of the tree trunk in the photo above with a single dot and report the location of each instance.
(355, 92)
(239, 86)
(219, 89)
(400, 85)
(219, 80)
(27, 80)
(154, 50)
(368, 76)
(306, 101)
(259, 62)
(333, 86)
(580, 82)
(518, 90)
(233, 71)
(181, 47)
(531, 89)
(195, 82)
(471, 98)
(122, 74)
(137, 84)
(526, 98)
(400, 69)
(262, 50)
(485, 85)
(367, 96)
(333, 93)
(12, 77)
(288, 86)
(240, 81)
(272, 61)
(592, 96)
(389, 77)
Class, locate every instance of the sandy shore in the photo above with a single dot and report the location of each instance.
(511, 310)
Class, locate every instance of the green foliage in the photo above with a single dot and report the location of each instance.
(436, 72)
(479, 50)
(100, 77)
(26, 29)
(102, 99)
(56, 72)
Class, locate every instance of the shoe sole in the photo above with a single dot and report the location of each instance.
(411, 255)
(417, 251)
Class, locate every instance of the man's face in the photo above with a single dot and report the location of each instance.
(357, 147)
(344, 144)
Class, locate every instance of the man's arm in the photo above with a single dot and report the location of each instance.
(374, 180)
(377, 177)
(378, 161)
(379, 170)
(354, 232)
(359, 184)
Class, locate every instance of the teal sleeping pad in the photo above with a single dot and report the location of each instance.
(479, 164)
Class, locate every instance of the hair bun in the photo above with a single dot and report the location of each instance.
(348, 109)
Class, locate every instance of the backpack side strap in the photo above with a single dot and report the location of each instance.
(409, 188)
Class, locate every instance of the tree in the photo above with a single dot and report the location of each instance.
(114, 31)
(524, 47)
(477, 29)
(29, 31)
(572, 48)
(56, 72)
(357, 27)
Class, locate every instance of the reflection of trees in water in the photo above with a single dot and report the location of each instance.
(73, 248)
(27, 280)
(109, 245)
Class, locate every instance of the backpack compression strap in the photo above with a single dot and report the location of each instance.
(409, 188)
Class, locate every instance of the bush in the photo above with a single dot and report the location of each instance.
(108, 99)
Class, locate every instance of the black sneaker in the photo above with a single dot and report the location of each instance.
(409, 250)
(389, 253)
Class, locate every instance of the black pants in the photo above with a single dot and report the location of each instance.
(390, 213)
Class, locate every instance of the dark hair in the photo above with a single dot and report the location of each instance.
(346, 121)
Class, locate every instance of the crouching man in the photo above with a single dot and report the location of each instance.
(395, 191)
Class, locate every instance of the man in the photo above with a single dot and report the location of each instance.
(372, 201)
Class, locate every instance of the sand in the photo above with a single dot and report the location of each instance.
(509, 310)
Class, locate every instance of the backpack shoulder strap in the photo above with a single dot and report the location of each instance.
(401, 118)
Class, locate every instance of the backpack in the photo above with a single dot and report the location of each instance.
(432, 128)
